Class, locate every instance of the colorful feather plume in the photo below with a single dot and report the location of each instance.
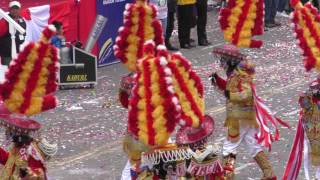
(154, 109)
(241, 20)
(31, 78)
(306, 24)
(140, 25)
(189, 90)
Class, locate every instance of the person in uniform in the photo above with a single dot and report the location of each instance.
(202, 6)
(185, 16)
(5, 36)
(172, 6)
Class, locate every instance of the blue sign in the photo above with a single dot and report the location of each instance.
(113, 11)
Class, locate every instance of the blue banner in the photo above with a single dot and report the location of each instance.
(113, 11)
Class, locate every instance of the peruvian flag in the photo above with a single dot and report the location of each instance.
(37, 18)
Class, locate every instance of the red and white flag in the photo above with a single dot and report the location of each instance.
(37, 18)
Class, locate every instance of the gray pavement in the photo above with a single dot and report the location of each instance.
(89, 124)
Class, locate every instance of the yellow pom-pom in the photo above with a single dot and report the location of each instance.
(132, 39)
(162, 139)
(141, 92)
(245, 34)
(142, 104)
(35, 106)
(142, 116)
(227, 36)
(132, 48)
(149, 11)
(236, 11)
(143, 137)
(148, 29)
(155, 88)
(38, 92)
(251, 16)
(131, 66)
(244, 42)
(135, 20)
(156, 100)
(134, 29)
(248, 26)
(158, 112)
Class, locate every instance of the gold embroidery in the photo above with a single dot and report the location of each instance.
(13, 165)
(311, 122)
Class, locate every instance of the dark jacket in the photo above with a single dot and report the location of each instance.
(172, 5)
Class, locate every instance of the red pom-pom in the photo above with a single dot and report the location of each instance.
(308, 64)
(256, 44)
(294, 2)
(148, 47)
(49, 102)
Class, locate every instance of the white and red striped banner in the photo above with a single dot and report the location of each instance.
(37, 18)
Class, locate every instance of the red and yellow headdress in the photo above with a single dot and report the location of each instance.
(154, 108)
(306, 22)
(189, 90)
(140, 25)
(31, 79)
(167, 92)
(241, 20)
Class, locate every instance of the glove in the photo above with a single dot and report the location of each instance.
(227, 94)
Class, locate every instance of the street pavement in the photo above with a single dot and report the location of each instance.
(89, 124)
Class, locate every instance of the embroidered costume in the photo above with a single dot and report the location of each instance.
(247, 115)
(305, 147)
(204, 162)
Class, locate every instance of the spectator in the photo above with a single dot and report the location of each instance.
(172, 5)
(270, 13)
(58, 40)
(202, 6)
(162, 12)
(185, 15)
(5, 36)
(281, 8)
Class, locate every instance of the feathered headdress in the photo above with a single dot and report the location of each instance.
(140, 25)
(167, 93)
(241, 20)
(189, 90)
(31, 78)
(306, 24)
(154, 109)
(29, 85)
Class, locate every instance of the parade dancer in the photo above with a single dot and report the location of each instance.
(166, 94)
(28, 90)
(204, 163)
(306, 145)
(27, 155)
(247, 116)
